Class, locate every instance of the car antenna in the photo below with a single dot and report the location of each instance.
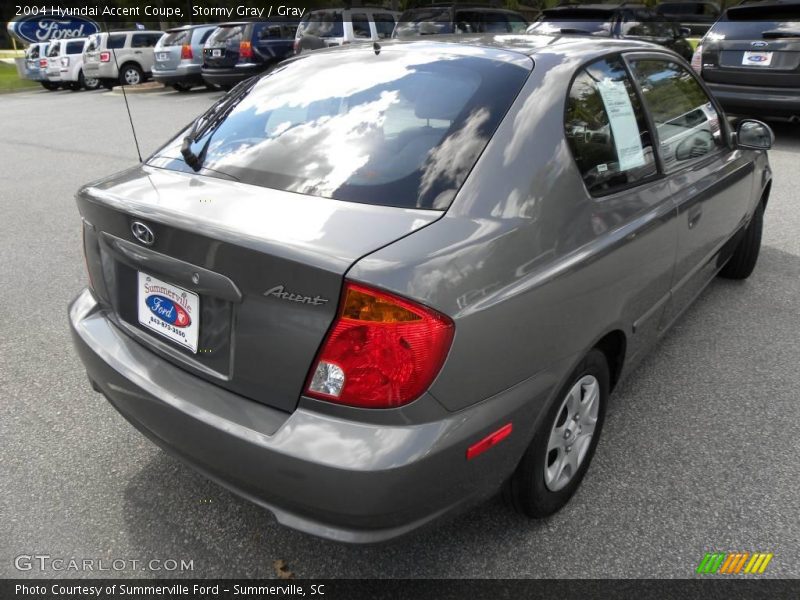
(125, 96)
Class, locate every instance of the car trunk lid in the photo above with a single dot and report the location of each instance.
(267, 268)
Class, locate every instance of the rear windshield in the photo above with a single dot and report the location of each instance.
(396, 129)
(176, 38)
(325, 24)
(594, 22)
(225, 36)
(758, 22)
(424, 21)
(688, 9)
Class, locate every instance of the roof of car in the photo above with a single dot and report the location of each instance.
(605, 7)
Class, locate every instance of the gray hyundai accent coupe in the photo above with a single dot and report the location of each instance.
(382, 282)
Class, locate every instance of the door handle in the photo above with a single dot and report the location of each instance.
(694, 215)
(137, 52)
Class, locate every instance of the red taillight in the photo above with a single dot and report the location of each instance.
(297, 46)
(186, 51)
(105, 56)
(245, 50)
(697, 59)
(383, 351)
(42, 63)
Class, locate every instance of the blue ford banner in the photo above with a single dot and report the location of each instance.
(41, 28)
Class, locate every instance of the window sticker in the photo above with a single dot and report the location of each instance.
(623, 123)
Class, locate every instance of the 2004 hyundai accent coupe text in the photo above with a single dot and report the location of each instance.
(381, 282)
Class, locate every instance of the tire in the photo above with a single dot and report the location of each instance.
(130, 74)
(90, 83)
(49, 86)
(745, 256)
(538, 488)
(180, 87)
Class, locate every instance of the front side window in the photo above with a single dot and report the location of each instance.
(361, 26)
(687, 124)
(606, 128)
(406, 131)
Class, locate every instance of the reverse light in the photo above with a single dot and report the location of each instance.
(105, 56)
(186, 52)
(697, 59)
(245, 51)
(382, 351)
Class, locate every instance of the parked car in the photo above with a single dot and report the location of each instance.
(750, 59)
(71, 65)
(461, 18)
(36, 65)
(623, 21)
(696, 16)
(431, 288)
(179, 56)
(237, 51)
(120, 57)
(336, 27)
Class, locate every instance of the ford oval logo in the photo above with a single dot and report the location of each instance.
(168, 311)
(759, 44)
(45, 27)
(143, 233)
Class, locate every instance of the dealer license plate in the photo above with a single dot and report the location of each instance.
(162, 56)
(216, 53)
(169, 310)
(757, 59)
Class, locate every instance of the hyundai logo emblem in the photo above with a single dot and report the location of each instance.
(143, 233)
(759, 44)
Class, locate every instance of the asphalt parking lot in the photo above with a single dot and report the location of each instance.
(700, 450)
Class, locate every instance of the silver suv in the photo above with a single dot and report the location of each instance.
(179, 56)
(120, 57)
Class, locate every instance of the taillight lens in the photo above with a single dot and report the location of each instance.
(186, 51)
(105, 56)
(383, 351)
(296, 46)
(42, 63)
(697, 59)
(245, 50)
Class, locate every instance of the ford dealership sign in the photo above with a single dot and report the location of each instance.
(40, 28)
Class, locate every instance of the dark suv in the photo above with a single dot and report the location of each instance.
(696, 16)
(236, 51)
(628, 21)
(463, 18)
(750, 59)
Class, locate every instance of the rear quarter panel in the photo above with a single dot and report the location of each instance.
(532, 270)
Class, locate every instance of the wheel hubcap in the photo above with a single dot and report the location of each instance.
(90, 82)
(131, 76)
(571, 434)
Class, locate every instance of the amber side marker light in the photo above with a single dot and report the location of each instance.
(490, 441)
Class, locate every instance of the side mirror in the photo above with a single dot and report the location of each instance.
(754, 134)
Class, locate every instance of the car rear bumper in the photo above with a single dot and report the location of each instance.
(231, 76)
(105, 70)
(757, 101)
(185, 74)
(345, 480)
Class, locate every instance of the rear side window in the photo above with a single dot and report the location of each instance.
(606, 128)
(361, 26)
(74, 47)
(687, 124)
(144, 40)
(176, 38)
(384, 25)
(405, 132)
(115, 41)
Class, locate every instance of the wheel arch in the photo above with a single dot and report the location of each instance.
(614, 345)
